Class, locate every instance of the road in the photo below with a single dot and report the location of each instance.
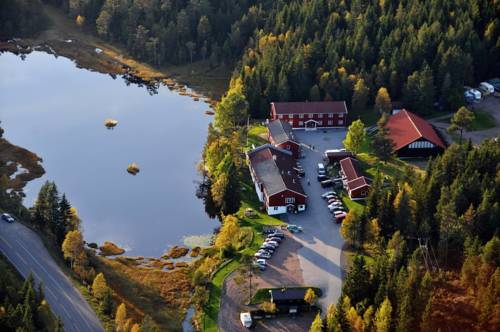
(24, 249)
(321, 251)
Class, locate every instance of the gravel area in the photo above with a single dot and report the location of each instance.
(283, 270)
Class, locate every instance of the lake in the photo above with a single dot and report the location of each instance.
(51, 107)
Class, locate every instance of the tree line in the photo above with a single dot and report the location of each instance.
(173, 31)
(21, 18)
(419, 52)
(416, 228)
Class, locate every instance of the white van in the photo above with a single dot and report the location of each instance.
(246, 319)
(487, 88)
(321, 169)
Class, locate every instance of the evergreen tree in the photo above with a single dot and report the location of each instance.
(317, 324)
(360, 96)
(383, 316)
(357, 283)
(461, 120)
(382, 145)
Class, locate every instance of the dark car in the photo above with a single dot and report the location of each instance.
(277, 234)
(327, 183)
(322, 177)
(274, 238)
(7, 218)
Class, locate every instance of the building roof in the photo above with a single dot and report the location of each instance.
(280, 131)
(359, 182)
(350, 168)
(354, 177)
(406, 127)
(338, 107)
(288, 294)
(273, 167)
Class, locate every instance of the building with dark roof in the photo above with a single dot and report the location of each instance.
(334, 156)
(413, 136)
(276, 182)
(280, 134)
(311, 115)
(288, 296)
(355, 183)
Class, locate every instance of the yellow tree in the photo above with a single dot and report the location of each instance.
(351, 228)
(317, 324)
(355, 136)
(99, 286)
(269, 307)
(360, 95)
(228, 232)
(330, 318)
(80, 20)
(383, 316)
(121, 318)
(383, 101)
(310, 296)
(135, 328)
(72, 246)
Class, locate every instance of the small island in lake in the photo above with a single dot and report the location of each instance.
(133, 169)
(110, 123)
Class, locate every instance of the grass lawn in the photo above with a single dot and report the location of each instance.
(257, 135)
(483, 120)
(368, 116)
(263, 293)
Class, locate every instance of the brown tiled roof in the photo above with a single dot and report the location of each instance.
(358, 182)
(273, 167)
(350, 168)
(338, 107)
(406, 127)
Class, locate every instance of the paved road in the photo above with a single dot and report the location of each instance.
(320, 255)
(24, 249)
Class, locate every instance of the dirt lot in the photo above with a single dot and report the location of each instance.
(283, 270)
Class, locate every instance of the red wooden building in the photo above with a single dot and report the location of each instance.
(280, 134)
(413, 136)
(276, 183)
(355, 183)
(311, 115)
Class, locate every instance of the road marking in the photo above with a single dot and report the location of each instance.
(6, 242)
(36, 262)
(51, 292)
(22, 258)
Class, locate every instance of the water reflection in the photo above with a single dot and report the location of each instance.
(49, 106)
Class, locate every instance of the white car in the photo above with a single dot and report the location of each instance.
(338, 213)
(246, 319)
(477, 95)
(335, 204)
(328, 193)
(261, 261)
(273, 243)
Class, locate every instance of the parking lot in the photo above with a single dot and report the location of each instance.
(320, 254)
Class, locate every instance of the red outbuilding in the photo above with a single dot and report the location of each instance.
(355, 183)
(280, 134)
(276, 182)
(311, 115)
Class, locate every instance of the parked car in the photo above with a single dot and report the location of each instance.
(274, 243)
(337, 209)
(274, 238)
(327, 183)
(7, 218)
(269, 230)
(261, 261)
(262, 255)
(338, 213)
(259, 266)
(322, 177)
(487, 88)
(328, 193)
(321, 168)
(246, 319)
(277, 234)
(300, 171)
(333, 200)
(267, 247)
(477, 95)
(339, 218)
(294, 228)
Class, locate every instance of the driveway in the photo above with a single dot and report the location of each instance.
(24, 249)
(320, 254)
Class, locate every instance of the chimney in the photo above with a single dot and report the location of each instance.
(274, 157)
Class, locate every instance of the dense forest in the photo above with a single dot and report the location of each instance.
(423, 234)
(422, 52)
(21, 18)
(23, 306)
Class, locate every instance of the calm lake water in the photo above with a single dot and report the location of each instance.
(56, 110)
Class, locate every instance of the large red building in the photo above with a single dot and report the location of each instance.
(311, 115)
(413, 136)
(280, 134)
(276, 183)
(355, 183)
